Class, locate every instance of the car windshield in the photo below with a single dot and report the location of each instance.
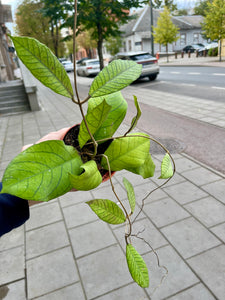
(141, 57)
(93, 62)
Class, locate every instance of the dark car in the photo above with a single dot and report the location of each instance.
(191, 48)
(150, 67)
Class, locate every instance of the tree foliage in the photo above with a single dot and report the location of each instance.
(201, 7)
(113, 44)
(165, 32)
(168, 3)
(214, 22)
(84, 40)
(104, 18)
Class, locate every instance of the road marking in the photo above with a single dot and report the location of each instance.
(188, 84)
(194, 73)
(218, 74)
(174, 72)
(218, 87)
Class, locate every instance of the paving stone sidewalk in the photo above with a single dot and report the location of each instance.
(65, 252)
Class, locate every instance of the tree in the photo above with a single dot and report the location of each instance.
(113, 44)
(85, 41)
(165, 32)
(57, 12)
(30, 22)
(201, 7)
(104, 18)
(214, 22)
(162, 3)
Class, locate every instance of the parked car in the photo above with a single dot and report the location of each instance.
(88, 67)
(81, 60)
(192, 48)
(206, 48)
(68, 65)
(150, 66)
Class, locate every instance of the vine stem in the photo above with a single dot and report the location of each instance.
(127, 235)
(75, 82)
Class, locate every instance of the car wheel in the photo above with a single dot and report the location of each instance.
(152, 77)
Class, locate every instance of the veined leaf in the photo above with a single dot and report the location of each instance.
(41, 171)
(88, 180)
(130, 193)
(137, 117)
(127, 153)
(43, 64)
(115, 117)
(137, 266)
(147, 169)
(94, 119)
(166, 167)
(116, 76)
(107, 211)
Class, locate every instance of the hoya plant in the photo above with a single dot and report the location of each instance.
(90, 152)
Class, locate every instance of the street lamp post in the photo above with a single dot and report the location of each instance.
(151, 29)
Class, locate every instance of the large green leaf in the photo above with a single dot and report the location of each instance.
(137, 117)
(89, 179)
(43, 64)
(137, 266)
(94, 119)
(130, 193)
(41, 172)
(166, 167)
(115, 117)
(127, 153)
(116, 76)
(147, 169)
(107, 211)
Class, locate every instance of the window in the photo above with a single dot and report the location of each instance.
(129, 45)
(138, 43)
(124, 46)
(183, 39)
(196, 38)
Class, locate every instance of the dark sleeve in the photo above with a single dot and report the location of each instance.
(13, 212)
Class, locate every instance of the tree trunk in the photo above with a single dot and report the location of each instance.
(220, 50)
(57, 40)
(100, 54)
(167, 54)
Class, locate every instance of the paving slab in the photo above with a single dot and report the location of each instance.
(216, 189)
(219, 231)
(13, 291)
(209, 211)
(189, 237)
(198, 292)
(210, 267)
(179, 276)
(50, 272)
(165, 211)
(103, 271)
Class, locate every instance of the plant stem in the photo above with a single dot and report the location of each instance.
(127, 235)
(75, 82)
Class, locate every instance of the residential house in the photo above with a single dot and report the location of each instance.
(6, 61)
(137, 33)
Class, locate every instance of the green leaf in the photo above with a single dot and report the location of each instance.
(137, 117)
(147, 169)
(43, 64)
(88, 180)
(115, 117)
(116, 76)
(41, 172)
(137, 266)
(128, 152)
(130, 194)
(166, 167)
(94, 119)
(107, 211)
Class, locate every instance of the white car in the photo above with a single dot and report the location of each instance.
(150, 66)
(68, 65)
(89, 67)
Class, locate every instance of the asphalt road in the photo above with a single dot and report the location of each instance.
(200, 82)
(200, 140)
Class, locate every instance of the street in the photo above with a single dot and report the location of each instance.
(201, 140)
(201, 82)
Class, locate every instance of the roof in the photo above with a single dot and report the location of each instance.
(142, 21)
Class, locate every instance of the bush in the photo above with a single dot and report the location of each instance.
(213, 52)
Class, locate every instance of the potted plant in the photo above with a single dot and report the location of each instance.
(89, 153)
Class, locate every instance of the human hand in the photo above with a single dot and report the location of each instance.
(55, 135)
